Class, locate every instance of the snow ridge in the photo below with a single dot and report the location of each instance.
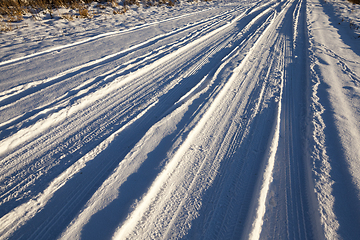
(225, 120)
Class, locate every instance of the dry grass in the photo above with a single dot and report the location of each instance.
(20, 7)
(354, 1)
(84, 13)
(68, 17)
(170, 3)
(14, 10)
(5, 27)
(16, 7)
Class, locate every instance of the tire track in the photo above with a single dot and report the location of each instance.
(157, 199)
(150, 122)
(11, 97)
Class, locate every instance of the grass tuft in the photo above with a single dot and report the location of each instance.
(68, 17)
(4, 27)
(84, 13)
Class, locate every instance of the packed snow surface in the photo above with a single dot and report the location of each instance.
(213, 120)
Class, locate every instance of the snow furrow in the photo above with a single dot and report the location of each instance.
(179, 151)
(66, 114)
(139, 74)
(283, 201)
(335, 132)
(126, 228)
(233, 120)
(20, 92)
(86, 99)
(96, 38)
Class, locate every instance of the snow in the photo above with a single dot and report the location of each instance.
(206, 120)
(335, 134)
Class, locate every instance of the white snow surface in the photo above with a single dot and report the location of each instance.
(207, 120)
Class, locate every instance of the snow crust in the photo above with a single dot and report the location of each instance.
(206, 120)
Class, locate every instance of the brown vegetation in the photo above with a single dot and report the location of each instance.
(13, 10)
(17, 8)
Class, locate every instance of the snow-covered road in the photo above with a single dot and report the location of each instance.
(237, 121)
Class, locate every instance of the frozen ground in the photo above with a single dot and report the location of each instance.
(219, 120)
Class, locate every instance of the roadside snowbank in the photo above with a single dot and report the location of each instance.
(348, 15)
(41, 31)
